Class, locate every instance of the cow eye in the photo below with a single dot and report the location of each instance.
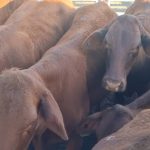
(132, 54)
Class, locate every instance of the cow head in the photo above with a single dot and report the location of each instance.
(106, 122)
(123, 40)
(26, 107)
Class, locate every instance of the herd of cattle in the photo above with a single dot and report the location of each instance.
(67, 73)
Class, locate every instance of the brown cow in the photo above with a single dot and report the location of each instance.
(33, 28)
(8, 9)
(29, 97)
(126, 41)
(112, 119)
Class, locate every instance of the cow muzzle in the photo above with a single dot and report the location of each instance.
(114, 85)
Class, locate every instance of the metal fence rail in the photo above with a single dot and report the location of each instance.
(80, 3)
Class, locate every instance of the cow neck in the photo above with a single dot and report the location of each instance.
(95, 59)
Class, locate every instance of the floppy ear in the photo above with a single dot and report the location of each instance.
(95, 40)
(52, 116)
(145, 39)
(90, 124)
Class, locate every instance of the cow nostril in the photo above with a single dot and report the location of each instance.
(113, 85)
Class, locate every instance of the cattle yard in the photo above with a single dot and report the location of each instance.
(119, 6)
(74, 75)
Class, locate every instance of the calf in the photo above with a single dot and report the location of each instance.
(59, 77)
(126, 41)
(25, 36)
(112, 119)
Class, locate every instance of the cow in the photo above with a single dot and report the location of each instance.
(29, 97)
(134, 135)
(110, 120)
(126, 40)
(33, 28)
(7, 8)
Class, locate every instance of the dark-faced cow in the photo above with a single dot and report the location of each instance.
(127, 42)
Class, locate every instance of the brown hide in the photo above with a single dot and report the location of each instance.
(32, 29)
(62, 74)
(7, 7)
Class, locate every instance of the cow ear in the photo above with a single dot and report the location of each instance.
(90, 124)
(95, 40)
(52, 116)
(145, 40)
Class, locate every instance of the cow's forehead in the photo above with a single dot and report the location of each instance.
(123, 33)
(128, 25)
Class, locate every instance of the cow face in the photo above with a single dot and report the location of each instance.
(106, 122)
(26, 107)
(123, 40)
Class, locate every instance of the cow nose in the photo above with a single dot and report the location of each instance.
(113, 85)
